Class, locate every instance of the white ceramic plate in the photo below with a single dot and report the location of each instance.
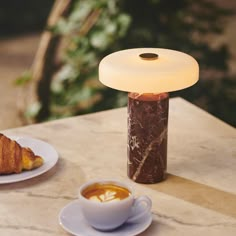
(40, 148)
(72, 220)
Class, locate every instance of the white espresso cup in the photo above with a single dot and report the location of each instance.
(105, 204)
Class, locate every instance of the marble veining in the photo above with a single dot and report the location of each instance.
(171, 220)
(147, 139)
(30, 228)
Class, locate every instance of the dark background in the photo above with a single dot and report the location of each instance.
(24, 16)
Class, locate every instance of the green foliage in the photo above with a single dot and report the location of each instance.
(92, 30)
(96, 28)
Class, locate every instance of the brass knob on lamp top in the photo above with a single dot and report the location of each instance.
(149, 56)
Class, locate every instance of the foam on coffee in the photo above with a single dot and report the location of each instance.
(105, 192)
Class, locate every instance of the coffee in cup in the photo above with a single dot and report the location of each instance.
(105, 192)
(107, 204)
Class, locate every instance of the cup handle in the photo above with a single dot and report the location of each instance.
(146, 204)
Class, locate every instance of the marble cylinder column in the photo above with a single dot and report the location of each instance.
(147, 137)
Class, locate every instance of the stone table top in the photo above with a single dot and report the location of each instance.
(198, 197)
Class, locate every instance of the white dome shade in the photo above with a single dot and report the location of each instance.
(126, 71)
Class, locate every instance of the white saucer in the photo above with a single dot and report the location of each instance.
(40, 148)
(72, 220)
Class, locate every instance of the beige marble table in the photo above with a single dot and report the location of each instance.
(198, 198)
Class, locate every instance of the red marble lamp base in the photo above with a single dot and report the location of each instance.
(147, 137)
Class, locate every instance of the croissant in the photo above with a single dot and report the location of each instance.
(15, 159)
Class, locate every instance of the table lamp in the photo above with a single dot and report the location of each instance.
(148, 74)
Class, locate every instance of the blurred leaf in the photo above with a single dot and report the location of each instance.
(33, 110)
(23, 79)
